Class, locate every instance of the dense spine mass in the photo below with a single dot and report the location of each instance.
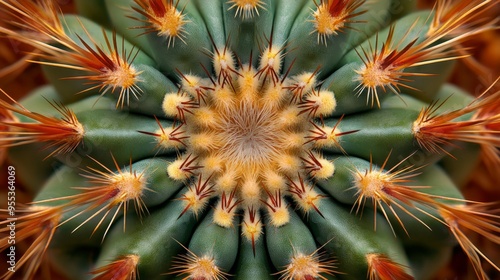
(248, 139)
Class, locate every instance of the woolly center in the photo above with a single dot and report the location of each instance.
(250, 135)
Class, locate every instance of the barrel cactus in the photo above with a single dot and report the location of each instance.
(248, 139)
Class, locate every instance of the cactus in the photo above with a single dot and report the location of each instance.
(256, 139)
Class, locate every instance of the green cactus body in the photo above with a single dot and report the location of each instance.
(248, 139)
